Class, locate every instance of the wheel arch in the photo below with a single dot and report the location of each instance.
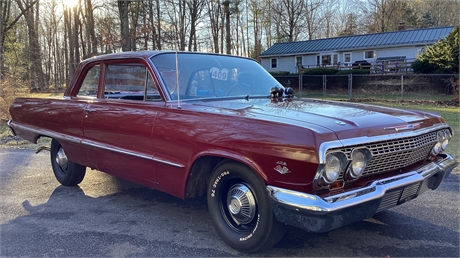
(205, 163)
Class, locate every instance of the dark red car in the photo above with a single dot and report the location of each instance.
(195, 124)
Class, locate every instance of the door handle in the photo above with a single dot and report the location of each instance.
(88, 110)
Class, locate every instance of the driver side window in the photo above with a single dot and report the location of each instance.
(89, 85)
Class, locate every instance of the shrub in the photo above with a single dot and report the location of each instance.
(354, 71)
(10, 88)
(320, 71)
(423, 67)
(279, 72)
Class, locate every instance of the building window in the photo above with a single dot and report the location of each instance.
(298, 61)
(369, 54)
(274, 63)
(326, 60)
(347, 57)
(336, 59)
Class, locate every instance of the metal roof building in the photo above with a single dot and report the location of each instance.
(402, 45)
(395, 38)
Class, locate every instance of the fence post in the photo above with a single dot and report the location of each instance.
(350, 86)
(324, 86)
(402, 87)
(300, 85)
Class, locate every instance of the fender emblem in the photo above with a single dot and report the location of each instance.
(340, 122)
(281, 167)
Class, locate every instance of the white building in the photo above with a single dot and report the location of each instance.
(403, 45)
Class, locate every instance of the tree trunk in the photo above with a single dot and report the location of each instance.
(36, 71)
(124, 25)
(90, 31)
(134, 11)
(227, 27)
(159, 19)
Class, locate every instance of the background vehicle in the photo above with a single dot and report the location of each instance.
(362, 64)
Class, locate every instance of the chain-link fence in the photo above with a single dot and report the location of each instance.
(358, 87)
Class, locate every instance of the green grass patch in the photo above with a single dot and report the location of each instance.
(383, 96)
(7, 140)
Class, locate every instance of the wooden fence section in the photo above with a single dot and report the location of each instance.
(377, 67)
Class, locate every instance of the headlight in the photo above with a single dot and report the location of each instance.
(334, 165)
(446, 135)
(360, 158)
(442, 140)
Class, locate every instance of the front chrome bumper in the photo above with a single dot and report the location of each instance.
(317, 214)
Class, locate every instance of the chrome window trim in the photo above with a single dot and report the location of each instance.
(325, 146)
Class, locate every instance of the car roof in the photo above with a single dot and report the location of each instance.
(144, 54)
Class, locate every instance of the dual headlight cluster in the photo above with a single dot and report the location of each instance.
(338, 162)
(442, 140)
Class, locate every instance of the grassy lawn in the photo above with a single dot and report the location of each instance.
(393, 96)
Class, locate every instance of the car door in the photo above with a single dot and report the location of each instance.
(118, 125)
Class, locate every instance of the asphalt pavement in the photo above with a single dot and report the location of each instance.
(109, 217)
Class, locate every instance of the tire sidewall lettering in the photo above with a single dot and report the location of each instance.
(216, 182)
(253, 231)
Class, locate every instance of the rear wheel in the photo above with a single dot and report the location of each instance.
(68, 173)
(240, 209)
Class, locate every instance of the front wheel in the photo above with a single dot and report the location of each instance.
(68, 173)
(240, 209)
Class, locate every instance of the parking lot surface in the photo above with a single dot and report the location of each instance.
(107, 216)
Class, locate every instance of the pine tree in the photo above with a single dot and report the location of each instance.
(443, 55)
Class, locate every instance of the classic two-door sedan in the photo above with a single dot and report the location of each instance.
(196, 124)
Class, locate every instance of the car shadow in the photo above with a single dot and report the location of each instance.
(147, 223)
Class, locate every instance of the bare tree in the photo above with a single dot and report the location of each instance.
(31, 15)
(214, 10)
(312, 17)
(227, 26)
(195, 8)
(288, 17)
(90, 31)
(123, 9)
(382, 12)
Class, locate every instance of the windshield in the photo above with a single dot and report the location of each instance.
(212, 76)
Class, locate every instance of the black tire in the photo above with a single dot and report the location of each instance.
(68, 173)
(240, 209)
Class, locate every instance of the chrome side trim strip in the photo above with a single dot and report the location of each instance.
(60, 136)
(131, 153)
(365, 139)
(9, 124)
(44, 132)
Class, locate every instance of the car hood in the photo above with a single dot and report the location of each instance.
(347, 120)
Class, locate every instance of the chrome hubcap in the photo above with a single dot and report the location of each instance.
(241, 204)
(61, 159)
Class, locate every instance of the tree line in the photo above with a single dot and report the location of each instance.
(42, 41)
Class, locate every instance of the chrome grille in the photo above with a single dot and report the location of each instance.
(394, 154)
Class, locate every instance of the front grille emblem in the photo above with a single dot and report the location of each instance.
(404, 127)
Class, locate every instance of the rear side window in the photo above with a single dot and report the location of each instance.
(89, 85)
(130, 82)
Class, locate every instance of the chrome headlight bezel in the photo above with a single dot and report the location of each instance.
(335, 163)
(360, 159)
(442, 140)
